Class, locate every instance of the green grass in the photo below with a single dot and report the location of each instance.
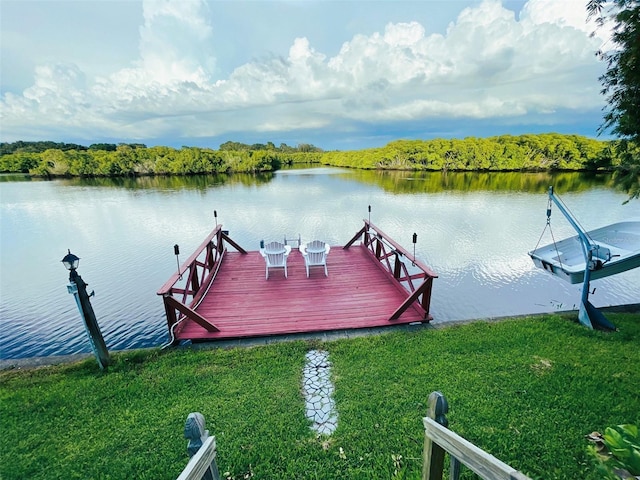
(526, 390)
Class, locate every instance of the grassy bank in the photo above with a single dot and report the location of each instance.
(526, 390)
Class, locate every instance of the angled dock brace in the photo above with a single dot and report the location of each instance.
(201, 269)
(388, 253)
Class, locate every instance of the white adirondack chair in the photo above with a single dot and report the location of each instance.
(315, 254)
(275, 255)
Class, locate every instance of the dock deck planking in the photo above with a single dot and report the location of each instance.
(358, 293)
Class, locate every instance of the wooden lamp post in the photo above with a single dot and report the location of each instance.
(78, 288)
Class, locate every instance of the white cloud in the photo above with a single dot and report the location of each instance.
(174, 41)
(486, 65)
(568, 13)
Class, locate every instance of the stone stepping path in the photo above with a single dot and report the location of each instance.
(318, 392)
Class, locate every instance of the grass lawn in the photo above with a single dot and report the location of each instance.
(526, 390)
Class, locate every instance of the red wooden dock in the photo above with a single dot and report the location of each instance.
(225, 293)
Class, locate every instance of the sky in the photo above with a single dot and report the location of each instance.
(338, 74)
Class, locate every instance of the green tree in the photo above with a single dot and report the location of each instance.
(125, 160)
(110, 147)
(19, 162)
(54, 163)
(81, 163)
(621, 85)
(234, 146)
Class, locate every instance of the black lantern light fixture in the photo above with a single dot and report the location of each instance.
(70, 261)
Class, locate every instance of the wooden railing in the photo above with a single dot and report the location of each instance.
(200, 465)
(418, 283)
(438, 440)
(185, 289)
(202, 450)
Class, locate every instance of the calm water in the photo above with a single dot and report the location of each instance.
(474, 230)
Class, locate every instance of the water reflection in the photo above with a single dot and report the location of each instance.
(419, 182)
(390, 181)
(15, 177)
(187, 182)
(473, 229)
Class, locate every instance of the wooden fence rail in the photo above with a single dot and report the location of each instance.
(389, 254)
(438, 440)
(186, 288)
(202, 450)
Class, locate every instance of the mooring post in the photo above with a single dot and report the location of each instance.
(194, 430)
(433, 454)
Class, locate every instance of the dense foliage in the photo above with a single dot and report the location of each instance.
(617, 452)
(127, 160)
(621, 81)
(621, 85)
(545, 152)
(284, 148)
(39, 147)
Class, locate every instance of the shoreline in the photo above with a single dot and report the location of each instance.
(53, 360)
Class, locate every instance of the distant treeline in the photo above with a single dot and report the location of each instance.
(544, 152)
(284, 148)
(48, 159)
(39, 147)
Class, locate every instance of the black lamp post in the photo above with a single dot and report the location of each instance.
(78, 288)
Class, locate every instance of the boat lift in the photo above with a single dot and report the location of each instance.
(595, 256)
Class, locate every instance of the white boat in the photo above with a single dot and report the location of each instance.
(616, 249)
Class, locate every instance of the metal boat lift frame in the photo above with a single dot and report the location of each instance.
(588, 315)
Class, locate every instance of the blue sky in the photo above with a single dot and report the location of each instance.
(342, 75)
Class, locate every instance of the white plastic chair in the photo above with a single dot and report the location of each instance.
(275, 255)
(315, 254)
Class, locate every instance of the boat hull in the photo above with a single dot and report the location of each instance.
(618, 251)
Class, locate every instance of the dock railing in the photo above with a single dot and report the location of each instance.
(185, 289)
(418, 282)
(438, 440)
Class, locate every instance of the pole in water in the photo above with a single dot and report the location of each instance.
(176, 252)
(215, 216)
(369, 213)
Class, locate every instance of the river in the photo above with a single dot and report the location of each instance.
(474, 230)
